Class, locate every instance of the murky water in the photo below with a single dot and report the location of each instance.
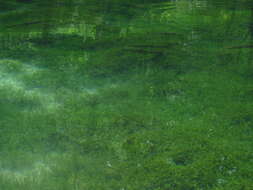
(126, 95)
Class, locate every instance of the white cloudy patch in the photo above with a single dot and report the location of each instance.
(36, 173)
(14, 86)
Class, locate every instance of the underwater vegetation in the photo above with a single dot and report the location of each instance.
(126, 95)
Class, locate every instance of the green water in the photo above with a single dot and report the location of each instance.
(126, 95)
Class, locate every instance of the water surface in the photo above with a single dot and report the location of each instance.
(127, 95)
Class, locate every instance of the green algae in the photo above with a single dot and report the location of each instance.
(139, 96)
